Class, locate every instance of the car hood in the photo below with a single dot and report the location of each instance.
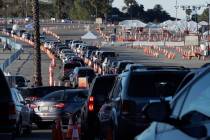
(148, 134)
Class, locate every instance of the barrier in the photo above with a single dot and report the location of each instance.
(51, 76)
(57, 133)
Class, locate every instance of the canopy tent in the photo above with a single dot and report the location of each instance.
(132, 23)
(181, 25)
(153, 26)
(203, 23)
(90, 38)
(89, 35)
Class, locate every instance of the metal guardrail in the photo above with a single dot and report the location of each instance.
(14, 56)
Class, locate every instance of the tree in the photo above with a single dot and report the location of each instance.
(130, 2)
(100, 8)
(79, 10)
(37, 57)
(59, 6)
(204, 15)
(1, 3)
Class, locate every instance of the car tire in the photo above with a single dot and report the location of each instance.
(40, 125)
(28, 130)
(19, 129)
(111, 133)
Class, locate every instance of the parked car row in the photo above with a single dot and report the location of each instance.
(23, 33)
(137, 95)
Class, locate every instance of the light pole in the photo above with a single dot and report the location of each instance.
(26, 12)
(176, 9)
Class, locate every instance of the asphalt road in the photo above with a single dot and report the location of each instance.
(25, 67)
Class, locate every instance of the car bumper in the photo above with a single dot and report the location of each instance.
(129, 128)
(44, 117)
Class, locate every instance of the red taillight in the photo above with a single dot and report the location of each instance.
(91, 99)
(33, 106)
(59, 106)
(12, 109)
(91, 104)
(31, 98)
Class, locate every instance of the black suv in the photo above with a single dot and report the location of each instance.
(7, 110)
(98, 94)
(121, 116)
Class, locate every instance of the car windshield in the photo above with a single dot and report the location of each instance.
(84, 73)
(19, 79)
(154, 84)
(75, 96)
(71, 65)
(101, 90)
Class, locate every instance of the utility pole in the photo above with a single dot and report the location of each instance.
(176, 9)
(26, 8)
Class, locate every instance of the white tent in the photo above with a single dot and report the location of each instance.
(132, 23)
(89, 36)
(203, 23)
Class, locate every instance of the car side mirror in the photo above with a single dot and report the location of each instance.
(157, 111)
(197, 130)
(27, 101)
(23, 102)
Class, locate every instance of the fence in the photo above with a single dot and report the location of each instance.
(14, 56)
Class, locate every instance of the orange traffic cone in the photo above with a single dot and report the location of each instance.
(54, 133)
(59, 129)
(69, 130)
(75, 133)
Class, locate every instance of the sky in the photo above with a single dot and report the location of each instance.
(168, 5)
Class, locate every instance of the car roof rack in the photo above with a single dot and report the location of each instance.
(159, 68)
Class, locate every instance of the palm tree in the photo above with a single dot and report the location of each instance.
(37, 55)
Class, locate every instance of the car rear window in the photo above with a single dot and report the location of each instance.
(155, 84)
(84, 73)
(71, 65)
(5, 91)
(75, 96)
(40, 92)
(102, 87)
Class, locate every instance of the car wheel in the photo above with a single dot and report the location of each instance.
(28, 130)
(41, 125)
(111, 133)
(19, 129)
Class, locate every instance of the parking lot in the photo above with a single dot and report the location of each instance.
(104, 90)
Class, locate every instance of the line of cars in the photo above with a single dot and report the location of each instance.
(175, 97)
(123, 104)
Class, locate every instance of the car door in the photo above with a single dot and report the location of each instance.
(191, 106)
(25, 109)
(115, 100)
(17, 103)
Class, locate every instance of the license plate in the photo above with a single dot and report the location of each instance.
(44, 108)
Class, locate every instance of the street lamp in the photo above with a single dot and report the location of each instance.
(26, 12)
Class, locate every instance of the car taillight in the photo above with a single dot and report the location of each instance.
(128, 107)
(12, 109)
(33, 106)
(59, 106)
(91, 104)
(31, 98)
